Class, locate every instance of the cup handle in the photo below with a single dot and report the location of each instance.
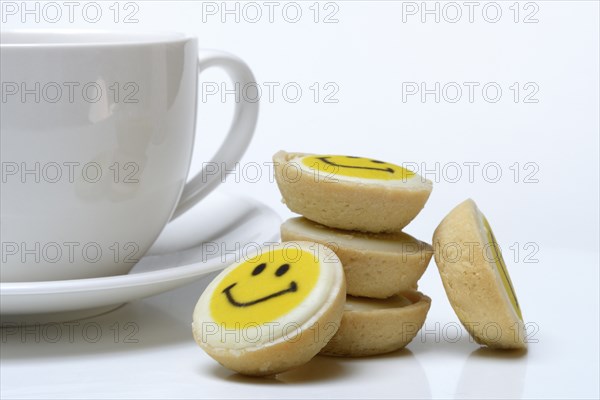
(238, 138)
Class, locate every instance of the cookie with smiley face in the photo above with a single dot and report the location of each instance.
(373, 326)
(347, 192)
(476, 279)
(274, 311)
(377, 265)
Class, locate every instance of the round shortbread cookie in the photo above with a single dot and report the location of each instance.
(349, 192)
(476, 280)
(374, 326)
(376, 265)
(274, 311)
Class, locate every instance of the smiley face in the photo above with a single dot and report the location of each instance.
(274, 311)
(357, 167)
(496, 256)
(265, 288)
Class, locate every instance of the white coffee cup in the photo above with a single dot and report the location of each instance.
(97, 131)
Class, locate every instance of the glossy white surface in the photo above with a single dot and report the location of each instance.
(145, 350)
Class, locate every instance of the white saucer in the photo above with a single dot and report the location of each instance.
(205, 239)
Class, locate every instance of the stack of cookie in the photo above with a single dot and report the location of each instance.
(348, 285)
(358, 207)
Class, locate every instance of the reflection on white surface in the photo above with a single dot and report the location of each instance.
(135, 326)
(319, 369)
(398, 374)
(146, 347)
(491, 372)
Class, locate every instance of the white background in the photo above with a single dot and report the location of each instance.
(549, 211)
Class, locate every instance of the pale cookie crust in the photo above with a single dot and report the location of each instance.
(339, 202)
(301, 340)
(376, 265)
(472, 280)
(370, 327)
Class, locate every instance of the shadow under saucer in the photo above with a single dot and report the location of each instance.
(158, 321)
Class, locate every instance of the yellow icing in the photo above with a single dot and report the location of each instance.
(501, 266)
(265, 288)
(357, 167)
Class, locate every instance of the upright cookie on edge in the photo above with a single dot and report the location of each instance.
(349, 192)
(274, 311)
(376, 265)
(476, 280)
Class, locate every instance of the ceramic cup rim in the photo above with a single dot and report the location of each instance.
(68, 38)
